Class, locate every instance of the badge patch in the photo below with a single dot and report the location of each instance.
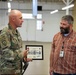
(4, 41)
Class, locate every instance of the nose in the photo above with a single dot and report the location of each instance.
(22, 20)
(61, 25)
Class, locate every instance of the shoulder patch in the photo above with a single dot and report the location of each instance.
(4, 41)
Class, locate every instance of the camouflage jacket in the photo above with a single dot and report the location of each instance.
(10, 49)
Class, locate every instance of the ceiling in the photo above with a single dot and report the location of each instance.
(38, 0)
(47, 1)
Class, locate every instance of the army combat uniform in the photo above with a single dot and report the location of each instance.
(10, 49)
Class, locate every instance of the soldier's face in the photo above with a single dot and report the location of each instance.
(18, 20)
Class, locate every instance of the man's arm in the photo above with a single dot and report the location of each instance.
(4, 41)
(51, 59)
(24, 62)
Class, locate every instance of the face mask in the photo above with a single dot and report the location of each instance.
(64, 30)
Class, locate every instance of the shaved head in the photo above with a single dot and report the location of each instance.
(14, 13)
(15, 18)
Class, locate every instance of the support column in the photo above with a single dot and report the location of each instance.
(74, 15)
(67, 2)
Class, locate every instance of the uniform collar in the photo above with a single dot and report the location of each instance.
(14, 31)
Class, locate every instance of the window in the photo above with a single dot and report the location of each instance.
(39, 25)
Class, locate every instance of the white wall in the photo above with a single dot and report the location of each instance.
(28, 30)
(39, 67)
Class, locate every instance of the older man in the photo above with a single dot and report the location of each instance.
(63, 53)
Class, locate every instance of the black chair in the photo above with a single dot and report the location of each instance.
(24, 65)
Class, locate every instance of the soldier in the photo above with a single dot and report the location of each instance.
(10, 46)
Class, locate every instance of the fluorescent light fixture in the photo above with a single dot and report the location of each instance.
(39, 25)
(9, 5)
(67, 7)
(30, 16)
(39, 16)
(9, 9)
(53, 11)
(27, 16)
(10, 0)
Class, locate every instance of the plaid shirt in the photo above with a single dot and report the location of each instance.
(67, 63)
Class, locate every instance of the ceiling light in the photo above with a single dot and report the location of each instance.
(30, 16)
(27, 16)
(53, 11)
(67, 7)
(9, 5)
(9, 10)
(10, 0)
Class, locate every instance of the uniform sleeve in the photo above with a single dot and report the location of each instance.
(4, 41)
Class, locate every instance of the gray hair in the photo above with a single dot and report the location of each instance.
(68, 18)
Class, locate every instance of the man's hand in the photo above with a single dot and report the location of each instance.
(51, 72)
(29, 59)
(25, 52)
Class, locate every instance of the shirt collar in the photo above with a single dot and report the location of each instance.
(67, 35)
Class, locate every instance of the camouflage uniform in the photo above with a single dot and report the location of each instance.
(10, 49)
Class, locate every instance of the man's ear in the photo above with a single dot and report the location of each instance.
(71, 26)
(13, 18)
